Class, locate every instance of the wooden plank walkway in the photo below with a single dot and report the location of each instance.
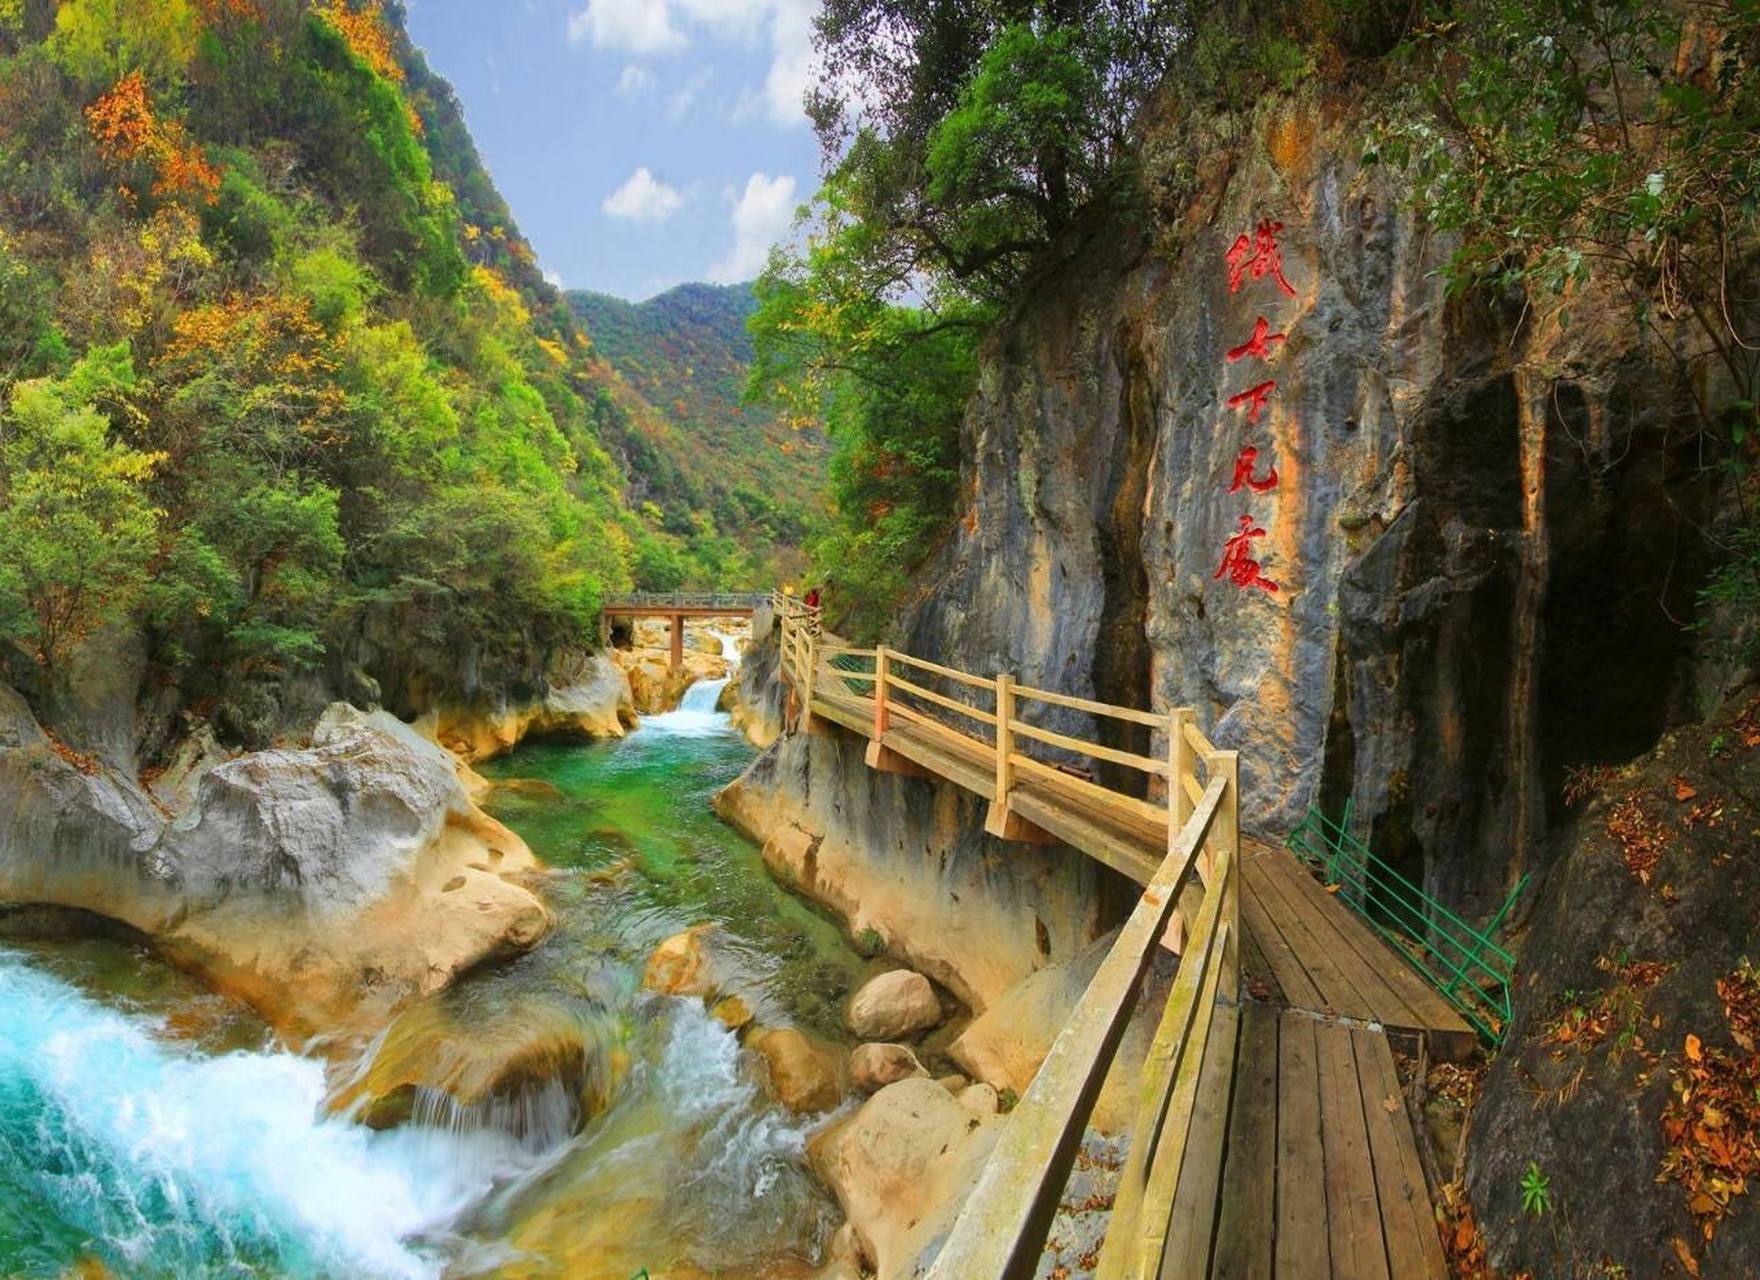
(1272, 1139)
(1312, 1170)
(1306, 949)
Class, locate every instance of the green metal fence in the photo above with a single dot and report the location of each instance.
(1461, 960)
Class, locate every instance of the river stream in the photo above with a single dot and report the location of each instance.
(156, 1130)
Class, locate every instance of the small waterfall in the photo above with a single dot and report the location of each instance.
(696, 716)
(179, 1163)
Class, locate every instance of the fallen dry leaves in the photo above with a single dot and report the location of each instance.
(1462, 1242)
(1712, 1125)
(1747, 726)
(1640, 835)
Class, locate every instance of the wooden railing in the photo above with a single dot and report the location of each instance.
(661, 601)
(1191, 905)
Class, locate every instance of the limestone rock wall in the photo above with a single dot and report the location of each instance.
(324, 883)
(1481, 532)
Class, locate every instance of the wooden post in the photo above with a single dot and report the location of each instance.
(677, 641)
(1225, 837)
(812, 670)
(997, 823)
(879, 693)
(1179, 811)
(1179, 767)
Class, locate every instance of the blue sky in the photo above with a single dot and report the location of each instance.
(641, 143)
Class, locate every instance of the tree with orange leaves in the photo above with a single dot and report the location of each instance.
(363, 30)
(129, 132)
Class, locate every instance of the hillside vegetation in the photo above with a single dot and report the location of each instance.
(759, 477)
(278, 371)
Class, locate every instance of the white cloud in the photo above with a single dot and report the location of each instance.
(643, 198)
(761, 217)
(792, 67)
(679, 105)
(553, 279)
(661, 26)
(634, 26)
(742, 18)
(634, 82)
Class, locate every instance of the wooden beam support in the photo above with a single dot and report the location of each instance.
(678, 642)
(1002, 821)
(883, 759)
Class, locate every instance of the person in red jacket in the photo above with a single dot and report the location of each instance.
(813, 598)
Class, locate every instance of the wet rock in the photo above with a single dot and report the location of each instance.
(683, 964)
(894, 1006)
(528, 788)
(902, 1167)
(309, 881)
(732, 1012)
(874, 1066)
(655, 686)
(805, 1076)
(538, 1074)
(587, 696)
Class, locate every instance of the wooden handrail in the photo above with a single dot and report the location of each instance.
(1001, 1231)
(923, 664)
(1127, 758)
(1093, 708)
(1103, 797)
(1002, 1228)
(942, 700)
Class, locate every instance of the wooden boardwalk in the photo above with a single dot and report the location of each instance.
(1272, 1138)
(1303, 1165)
(1306, 949)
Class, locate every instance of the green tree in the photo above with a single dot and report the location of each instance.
(968, 137)
(101, 41)
(79, 531)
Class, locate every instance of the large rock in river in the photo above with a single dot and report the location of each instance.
(894, 1006)
(319, 883)
(587, 697)
(874, 1066)
(902, 1167)
(804, 1076)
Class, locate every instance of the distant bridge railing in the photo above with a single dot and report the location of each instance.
(663, 601)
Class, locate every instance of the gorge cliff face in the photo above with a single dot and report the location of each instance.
(1481, 530)
(1468, 577)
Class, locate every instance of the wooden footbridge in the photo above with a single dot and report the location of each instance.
(1271, 1137)
(675, 607)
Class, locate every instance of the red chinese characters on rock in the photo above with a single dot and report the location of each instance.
(1244, 465)
(1253, 399)
(1259, 345)
(1255, 256)
(1258, 256)
(1238, 565)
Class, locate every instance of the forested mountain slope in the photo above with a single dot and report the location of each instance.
(288, 408)
(688, 353)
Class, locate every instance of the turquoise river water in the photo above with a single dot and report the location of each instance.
(151, 1129)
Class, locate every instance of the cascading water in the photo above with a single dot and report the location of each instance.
(696, 715)
(172, 1163)
(611, 1129)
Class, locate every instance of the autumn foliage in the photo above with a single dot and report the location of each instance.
(128, 131)
(363, 31)
(1712, 1125)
